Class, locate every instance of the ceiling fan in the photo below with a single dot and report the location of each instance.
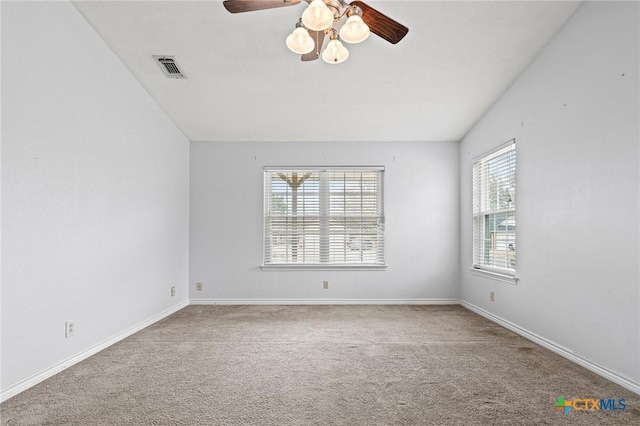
(326, 17)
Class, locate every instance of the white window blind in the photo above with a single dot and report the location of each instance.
(494, 210)
(324, 216)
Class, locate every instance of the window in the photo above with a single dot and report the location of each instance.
(494, 211)
(324, 217)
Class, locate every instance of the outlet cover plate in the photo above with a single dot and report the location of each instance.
(69, 329)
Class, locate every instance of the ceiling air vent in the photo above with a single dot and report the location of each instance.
(169, 66)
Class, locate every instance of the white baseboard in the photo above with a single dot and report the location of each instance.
(608, 374)
(325, 302)
(42, 375)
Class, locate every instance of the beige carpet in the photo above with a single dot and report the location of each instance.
(320, 365)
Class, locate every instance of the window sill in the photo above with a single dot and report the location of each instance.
(511, 279)
(318, 267)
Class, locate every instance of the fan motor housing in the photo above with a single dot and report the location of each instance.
(334, 5)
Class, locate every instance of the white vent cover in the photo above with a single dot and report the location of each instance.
(169, 66)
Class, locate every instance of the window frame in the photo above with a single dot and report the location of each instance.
(480, 196)
(325, 232)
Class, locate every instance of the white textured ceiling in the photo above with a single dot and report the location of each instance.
(243, 84)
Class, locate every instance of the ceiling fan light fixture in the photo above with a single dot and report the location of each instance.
(354, 30)
(335, 52)
(323, 17)
(299, 41)
(317, 16)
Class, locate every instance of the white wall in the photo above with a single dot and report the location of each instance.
(574, 113)
(94, 194)
(421, 207)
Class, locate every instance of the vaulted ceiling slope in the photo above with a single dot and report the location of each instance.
(243, 84)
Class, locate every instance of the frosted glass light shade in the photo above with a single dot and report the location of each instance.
(299, 41)
(335, 53)
(354, 30)
(317, 16)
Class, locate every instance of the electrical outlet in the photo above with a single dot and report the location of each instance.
(491, 297)
(173, 291)
(199, 286)
(325, 285)
(69, 329)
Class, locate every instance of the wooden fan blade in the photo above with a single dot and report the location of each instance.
(380, 24)
(318, 38)
(239, 6)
